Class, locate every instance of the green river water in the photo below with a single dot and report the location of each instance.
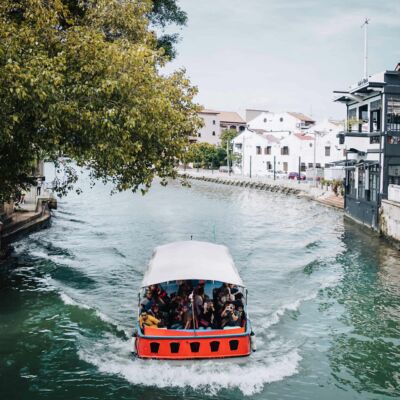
(323, 299)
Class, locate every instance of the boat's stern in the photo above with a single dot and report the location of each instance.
(189, 344)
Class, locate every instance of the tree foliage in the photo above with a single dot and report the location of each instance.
(205, 155)
(163, 14)
(81, 79)
(227, 135)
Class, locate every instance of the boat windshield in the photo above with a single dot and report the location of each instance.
(193, 304)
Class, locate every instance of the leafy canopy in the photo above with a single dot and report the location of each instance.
(81, 79)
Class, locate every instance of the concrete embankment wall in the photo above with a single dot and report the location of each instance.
(389, 221)
(247, 184)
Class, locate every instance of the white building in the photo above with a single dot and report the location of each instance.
(261, 152)
(210, 131)
(285, 122)
(215, 122)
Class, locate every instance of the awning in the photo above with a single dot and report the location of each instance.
(191, 260)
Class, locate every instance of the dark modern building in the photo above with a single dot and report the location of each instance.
(372, 144)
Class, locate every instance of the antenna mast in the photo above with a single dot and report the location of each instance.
(365, 26)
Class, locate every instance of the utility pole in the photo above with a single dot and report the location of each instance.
(274, 167)
(299, 169)
(227, 156)
(250, 167)
(365, 26)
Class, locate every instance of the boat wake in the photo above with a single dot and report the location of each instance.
(248, 375)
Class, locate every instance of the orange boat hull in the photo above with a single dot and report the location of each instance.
(180, 345)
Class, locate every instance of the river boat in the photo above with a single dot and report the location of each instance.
(190, 265)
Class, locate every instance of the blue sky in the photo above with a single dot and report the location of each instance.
(284, 55)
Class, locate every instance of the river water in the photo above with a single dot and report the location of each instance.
(323, 298)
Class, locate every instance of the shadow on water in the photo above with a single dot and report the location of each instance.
(365, 351)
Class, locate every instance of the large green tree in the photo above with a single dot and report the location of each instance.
(82, 79)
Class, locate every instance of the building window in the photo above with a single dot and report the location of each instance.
(361, 183)
(258, 150)
(310, 165)
(213, 133)
(303, 167)
(374, 139)
(269, 165)
(394, 174)
(238, 146)
(233, 127)
(242, 128)
(285, 167)
(285, 151)
(281, 119)
(352, 120)
(213, 121)
(267, 150)
(363, 117)
(351, 183)
(393, 114)
(199, 135)
(318, 165)
(310, 144)
(327, 151)
(373, 183)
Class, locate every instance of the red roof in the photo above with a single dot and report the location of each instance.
(301, 136)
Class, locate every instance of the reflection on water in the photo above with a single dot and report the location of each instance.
(323, 299)
(365, 351)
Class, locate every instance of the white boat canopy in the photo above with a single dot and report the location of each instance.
(191, 260)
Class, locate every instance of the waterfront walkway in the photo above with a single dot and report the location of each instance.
(301, 188)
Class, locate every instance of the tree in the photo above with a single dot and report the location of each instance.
(227, 135)
(164, 13)
(205, 155)
(81, 79)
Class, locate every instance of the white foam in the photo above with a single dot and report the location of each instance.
(71, 302)
(249, 376)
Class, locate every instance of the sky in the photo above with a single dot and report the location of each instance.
(284, 55)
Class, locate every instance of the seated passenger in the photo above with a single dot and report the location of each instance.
(233, 288)
(187, 317)
(147, 320)
(229, 317)
(148, 301)
(157, 314)
(185, 288)
(162, 298)
(198, 301)
(238, 300)
(206, 319)
(242, 315)
(176, 319)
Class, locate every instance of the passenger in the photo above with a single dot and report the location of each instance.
(147, 320)
(242, 315)
(187, 317)
(185, 288)
(238, 300)
(158, 314)
(162, 298)
(206, 319)
(198, 301)
(229, 317)
(223, 298)
(176, 321)
(148, 301)
(233, 288)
